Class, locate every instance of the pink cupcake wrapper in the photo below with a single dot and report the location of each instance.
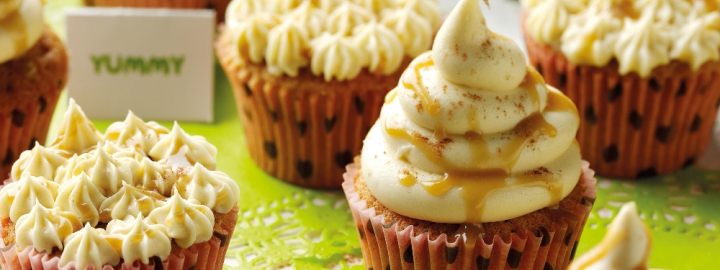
(390, 246)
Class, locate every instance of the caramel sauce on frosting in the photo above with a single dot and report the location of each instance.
(453, 149)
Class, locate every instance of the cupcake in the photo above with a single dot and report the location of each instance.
(626, 246)
(645, 75)
(473, 162)
(183, 4)
(33, 72)
(139, 196)
(309, 77)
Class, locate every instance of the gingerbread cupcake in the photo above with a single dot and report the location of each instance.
(309, 77)
(33, 72)
(645, 75)
(139, 196)
(473, 163)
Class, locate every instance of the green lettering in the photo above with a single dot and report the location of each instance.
(136, 64)
(114, 69)
(158, 64)
(97, 61)
(177, 63)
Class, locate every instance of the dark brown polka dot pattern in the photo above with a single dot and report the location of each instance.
(302, 127)
(343, 158)
(482, 263)
(408, 255)
(305, 169)
(543, 233)
(271, 149)
(631, 126)
(451, 254)
(330, 124)
(548, 267)
(513, 258)
(25, 115)
(248, 90)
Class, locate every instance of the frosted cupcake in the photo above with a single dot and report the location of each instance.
(473, 162)
(139, 196)
(33, 71)
(645, 75)
(309, 77)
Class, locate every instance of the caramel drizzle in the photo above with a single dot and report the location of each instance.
(414, 83)
(476, 185)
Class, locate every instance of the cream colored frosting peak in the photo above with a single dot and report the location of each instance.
(466, 52)
(198, 149)
(187, 222)
(287, 49)
(425, 8)
(21, 25)
(39, 161)
(238, 10)
(328, 49)
(382, 45)
(76, 134)
(17, 198)
(700, 41)
(643, 46)
(211, 188)
(251, 36)
(80, 197)
(89, 247)
(44, 229)
(457, 141)
(105, 171)
(140, 240)
(626, 245)
(129, 201)
(135, 133)
(346, 17)
(414, 31)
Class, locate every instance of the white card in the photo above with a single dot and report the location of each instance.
(156, 62)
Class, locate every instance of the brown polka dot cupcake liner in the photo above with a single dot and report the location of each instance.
(635, 127)
(393, 244)
(209, 255)
(29, 90)
(185, 4)
(303, 130)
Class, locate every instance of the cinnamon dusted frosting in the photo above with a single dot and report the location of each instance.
(334, 39)
(21, 25)
(626, 245)
(458, 142)
(641, 35)
(112, 181)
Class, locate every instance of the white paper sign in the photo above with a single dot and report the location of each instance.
(156, 62)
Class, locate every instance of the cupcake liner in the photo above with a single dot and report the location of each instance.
(35, 81)
(208, 255)
(635, 127)
(220, 7)
(394, 246)
(303, 130)
(188, 4)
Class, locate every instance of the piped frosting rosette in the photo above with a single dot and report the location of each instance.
(472, 134)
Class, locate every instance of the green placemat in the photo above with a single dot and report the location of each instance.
(285, 226)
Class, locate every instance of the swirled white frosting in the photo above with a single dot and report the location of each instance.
(140, 240)
(129, 172)
(89, 247)
(76, 134)
(186, 222)
(458, 142)
(44, 228)
(301, 40)
(21, 25)
(640, 35)
(626, 245)
(39, 161)
(18, 198)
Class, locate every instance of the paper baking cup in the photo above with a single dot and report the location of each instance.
(635, 127)
(303, 130)
(208, 255)
(150, 3)
(34, 82)
(394, 246)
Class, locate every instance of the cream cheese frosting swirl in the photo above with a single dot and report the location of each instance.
(21, 25)
(626, 246)
(129, 201)
(324, 35)
(76, 134)
(140, 240)
(458, 142)
(187, 222)
(211, 188)
(640, 35)
(135, 133)
(89, 247)
(39, 161)
(198, 149)
(45, 228)
(18, 198)
(82, 198)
